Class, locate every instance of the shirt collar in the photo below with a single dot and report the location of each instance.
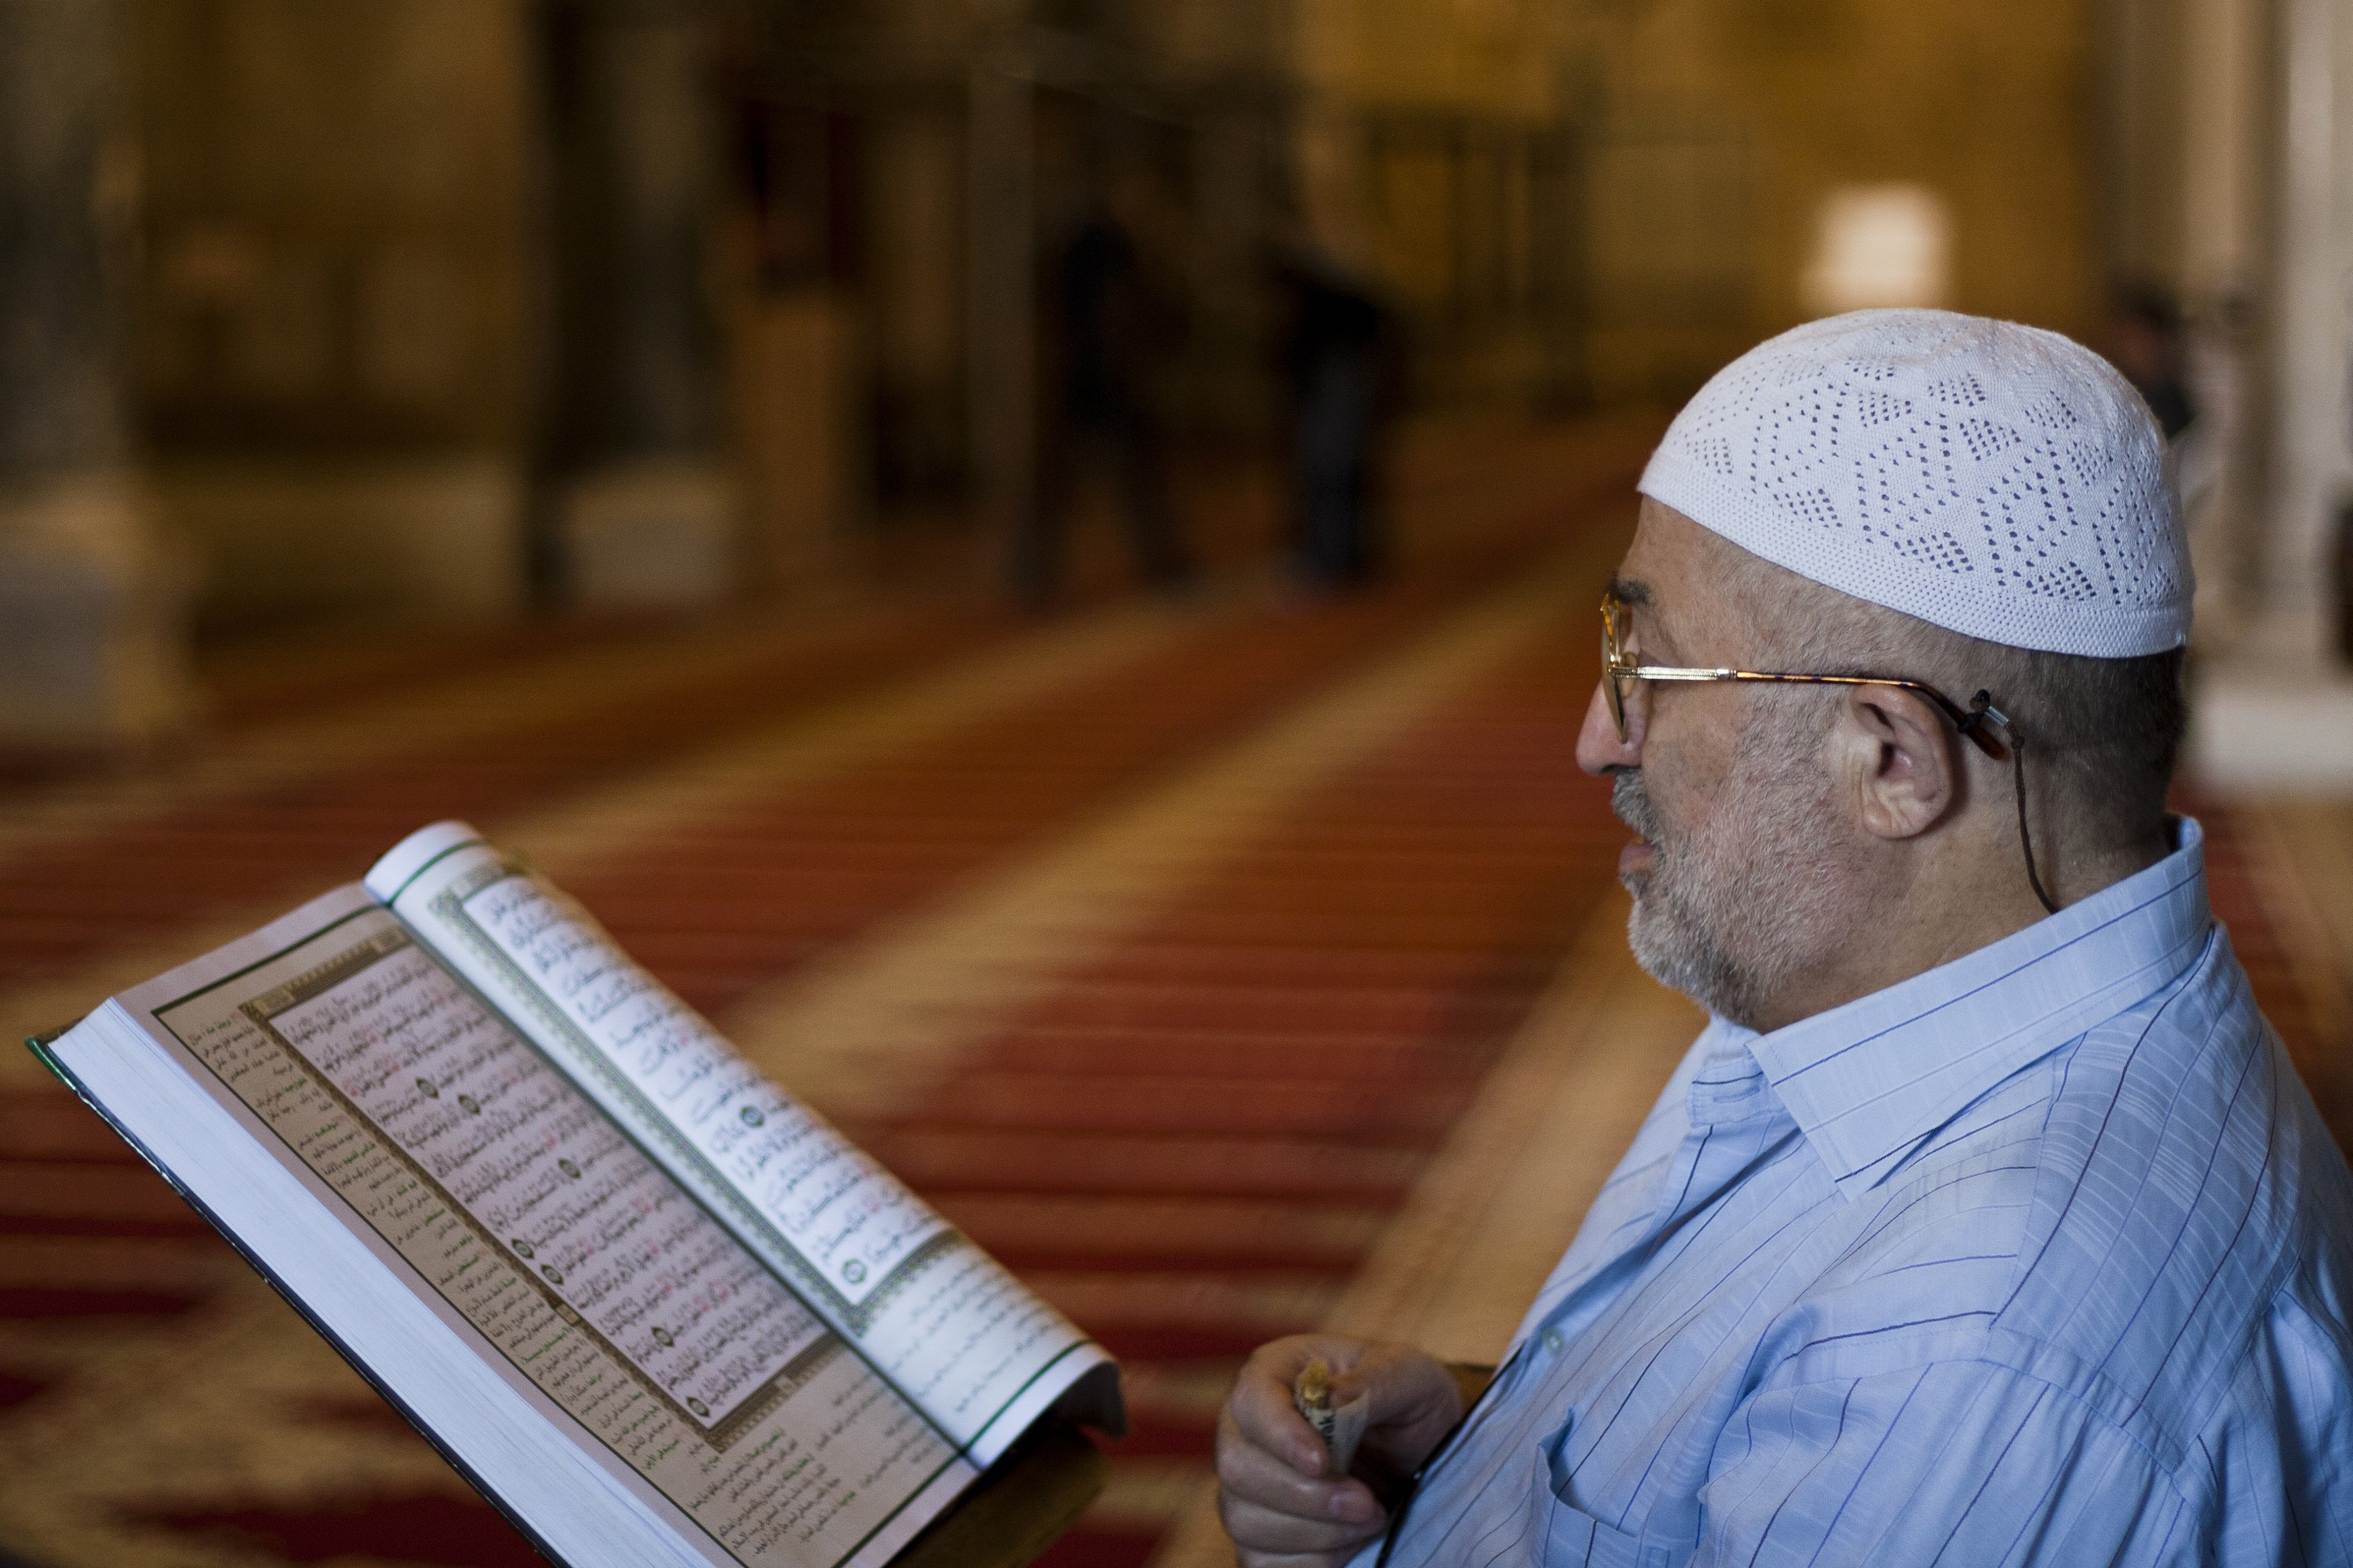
(1867, 1081)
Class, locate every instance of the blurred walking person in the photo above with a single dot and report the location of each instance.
(1338, 356)
(1106, 328)
(2143, 340)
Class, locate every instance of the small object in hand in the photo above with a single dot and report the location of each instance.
(1341, 1427)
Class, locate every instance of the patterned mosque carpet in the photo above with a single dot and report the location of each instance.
(1226, 969)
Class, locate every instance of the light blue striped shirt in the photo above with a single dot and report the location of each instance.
(2039, 1256)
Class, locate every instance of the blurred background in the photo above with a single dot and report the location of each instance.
(455, 313)
(1035, 559)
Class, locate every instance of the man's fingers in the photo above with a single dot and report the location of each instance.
(1261, 1533)
(1279, 1503)
(1253, 1475)
(1249, 1469)
(1261, 1408)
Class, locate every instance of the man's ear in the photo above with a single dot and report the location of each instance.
(1897, 759)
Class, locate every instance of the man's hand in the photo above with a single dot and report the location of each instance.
(1277, 1504)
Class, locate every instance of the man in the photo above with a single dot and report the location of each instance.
(1986, 1222)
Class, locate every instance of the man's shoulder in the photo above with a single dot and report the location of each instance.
(2188, 1208)
(2132, 1221)
(2182, 1175)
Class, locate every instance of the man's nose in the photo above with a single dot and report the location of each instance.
(1599, 749)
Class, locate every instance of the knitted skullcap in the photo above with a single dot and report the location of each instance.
(1991, 478)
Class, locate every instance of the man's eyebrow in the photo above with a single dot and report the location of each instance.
(1631, 590)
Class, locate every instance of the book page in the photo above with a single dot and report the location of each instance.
(976, 1351)
(582, 1262)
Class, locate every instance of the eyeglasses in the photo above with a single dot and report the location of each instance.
(1977, 723)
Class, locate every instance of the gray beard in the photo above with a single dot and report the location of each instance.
(1730, 912)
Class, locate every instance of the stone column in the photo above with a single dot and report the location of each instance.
(2224, 107)
(92, 640)
(2276, 712)
(646, 510)
(2312, 452)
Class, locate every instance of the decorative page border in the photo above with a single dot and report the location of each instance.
(720, 1436)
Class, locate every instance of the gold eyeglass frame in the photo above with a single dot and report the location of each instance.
(1972, 723)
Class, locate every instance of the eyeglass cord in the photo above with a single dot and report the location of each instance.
(2025, 840)
(1982, 710)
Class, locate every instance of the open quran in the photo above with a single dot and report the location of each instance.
(654, 1308)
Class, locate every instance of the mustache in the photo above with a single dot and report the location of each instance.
(1630, 803)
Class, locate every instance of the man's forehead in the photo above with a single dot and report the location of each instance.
(1672, 558)
(1704, 597)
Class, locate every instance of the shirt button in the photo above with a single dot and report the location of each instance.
(1553, 1339)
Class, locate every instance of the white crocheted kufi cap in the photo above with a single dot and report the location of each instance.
(1994, 480)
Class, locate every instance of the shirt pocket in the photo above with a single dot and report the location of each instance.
(1575, 1537)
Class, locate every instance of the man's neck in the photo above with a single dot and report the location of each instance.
(1955, 904)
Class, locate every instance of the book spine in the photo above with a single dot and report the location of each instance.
(40, 1046)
